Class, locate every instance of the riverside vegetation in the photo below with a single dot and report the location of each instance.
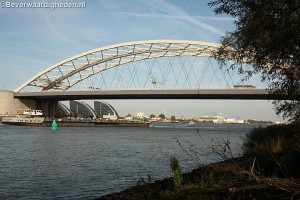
(269, 169)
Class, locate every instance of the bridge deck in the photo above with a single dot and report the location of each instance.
(259, 94)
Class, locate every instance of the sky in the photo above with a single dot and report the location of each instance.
(32, 39)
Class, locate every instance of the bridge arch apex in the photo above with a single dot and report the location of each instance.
(67, 73)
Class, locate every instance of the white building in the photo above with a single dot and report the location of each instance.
(240, 121)
(109, 116)
(218, 120)
(128, 117)
(210, 119)
(229, 121)
(140, 115)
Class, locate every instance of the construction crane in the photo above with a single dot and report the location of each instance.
(154, 81)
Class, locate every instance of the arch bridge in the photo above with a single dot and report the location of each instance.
(131, 71)
(186, 82)
(69, 72)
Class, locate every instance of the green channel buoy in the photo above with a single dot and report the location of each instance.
(54, 125)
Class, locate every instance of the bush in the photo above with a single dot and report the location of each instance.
(276, 148)
(176, 169)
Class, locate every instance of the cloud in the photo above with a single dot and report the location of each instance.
(55, 29)
(151, 15)
(163, 8)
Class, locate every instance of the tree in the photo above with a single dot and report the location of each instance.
(162, 116)
(173, 118)
(152, 116)
(267, 36)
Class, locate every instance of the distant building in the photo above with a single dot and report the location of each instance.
(206, 119)
(63, 110)
(109, 116)
(212, 119)
(82, 109)
(240, 121)
(128, 117)
(218, 119)
(105, 110)
(140, 115)
(229, 121)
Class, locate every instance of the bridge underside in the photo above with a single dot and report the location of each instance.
(247, 94)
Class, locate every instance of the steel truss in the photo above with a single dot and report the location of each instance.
(73, 70)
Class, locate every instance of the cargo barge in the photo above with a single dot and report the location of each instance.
(30, 120)
(96, 123)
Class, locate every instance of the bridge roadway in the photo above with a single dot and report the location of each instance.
(250, 94)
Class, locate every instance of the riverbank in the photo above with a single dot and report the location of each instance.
(269, 169)
(230, 179)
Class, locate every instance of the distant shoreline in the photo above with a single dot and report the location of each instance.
(113, 123)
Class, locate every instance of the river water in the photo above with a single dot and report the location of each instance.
(89, 162)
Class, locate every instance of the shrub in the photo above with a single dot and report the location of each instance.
(176, 169)
(276, 148)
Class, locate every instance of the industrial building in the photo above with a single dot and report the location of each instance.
(82, 109)
(105, 110)
(63, 110)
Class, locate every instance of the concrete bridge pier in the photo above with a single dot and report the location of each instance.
(49, 108)
(7, 102)
(9, 105)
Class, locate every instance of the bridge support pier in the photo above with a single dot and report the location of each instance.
(12, 106)
(49, 108)
(9, 105)
(6, 102)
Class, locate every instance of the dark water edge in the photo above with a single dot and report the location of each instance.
(86, 163)
(155, 189)
(215, 181)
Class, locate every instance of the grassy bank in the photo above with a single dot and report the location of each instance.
(268, 170)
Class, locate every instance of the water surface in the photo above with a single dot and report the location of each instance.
(89, 162)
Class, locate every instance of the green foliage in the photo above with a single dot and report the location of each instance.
(267, 37)
(143, 181)
(176, 169)
(148, 190)
(152, 116)
(165, 194)
(162, 116)
(276, 148)
(173, 118)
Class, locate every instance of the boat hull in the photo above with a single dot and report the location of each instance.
(24, 121)
(40, 121)
(97, 124)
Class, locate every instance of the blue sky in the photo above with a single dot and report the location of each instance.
(32, 39)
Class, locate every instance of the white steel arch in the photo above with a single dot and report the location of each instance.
(73, 70)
